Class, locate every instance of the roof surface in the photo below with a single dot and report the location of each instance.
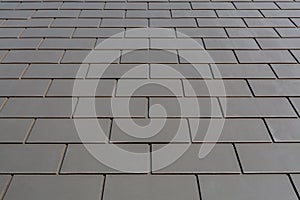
(149, 100)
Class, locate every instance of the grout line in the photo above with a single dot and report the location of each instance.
(101, 196)
(2, 195)
(198, 186)
(293, 185)
(268, 129)
(63, 155)
(238, 158)
(29, 130)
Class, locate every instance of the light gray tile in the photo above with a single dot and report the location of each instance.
(82, 88)
(287, 43)
(39, 5)
(216, 88)
(122, 43)
(265, 56)
(289, 5)
(230, 44)
(184, 107)
(33, 56)
(176, 71)
(296, 103)
(102, 13)
(229, 130)
(23, 87)
(85, 56)
(118, 71)
(150, 130)
(68, 44)
(257, 107)
(30, 158)
(284, 130)
(220, 22)
(242, 71)
(132, 23)
(68, 131)
(4, 181)
(10, 32)
(275, 87)
(210, 56)
(56, 71)
(296, 180)
(296, 53)
(269, 158)
(201, 32)
(176, 43)
(212, 5)
(14, 130)
(11, 70)
(146, 87)
(289, 32)
(169, 5)
(58, 187)
(47, 32)
(153, 56)
(148, 14)
(269, 22)
(230, 187)
(38, 107)
(16, 14)
(169, 23)
(255, 5)
(252, 32)
(19, 43)
(37, 23)
(75, 22)
(221, 159)
(287, 70)
(56, 14)
(138, 187)
(82, 5)
(280, 13)
(111, 107)
(98, 32)
(125, 6)
(192, 13)
(92, 158)
(238, 13)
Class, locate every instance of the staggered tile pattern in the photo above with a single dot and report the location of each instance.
(254, 52)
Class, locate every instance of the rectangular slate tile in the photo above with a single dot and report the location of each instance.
(23, 87)
(132, 23)
(281, 13)
(176, 71)
(265, 56)
(210, 56)
(275, 87)
(82, 5)
(33, 56)
(255, 5)
(56, 71)
(287, 43)
(92, 158)
(221, 159)
(148, 14)
(76, 22)
(56, 14)
(37, 23)
(228, 130)
(138, 187)
(212, 5)
(169, 5)
(296, 53)
(122, 43)
(111, 107)
(241, 71)
(296, 21)
(159, 130)
(11, 70)
(284, 130)
(176, 43)
(150, 33)
(216, 88)
(38, 107)
(102, 13)
(14, 130)
(146, 87)
(289, 32)
(229, 187)
(86, 56)
(269, 158)
(16, 14)
(238, 13)
(152, 56)
(251, 32)
(47, 32)
(192, 13)
(184, 107)
(19, 43)
(269, 22)
(82, 88)
(169, 23)
(118, 71)
(98, 32)
(296, 103)
(10, 32)
(30, 158)
(257, 107)
(201, 32)
(287, 70)
(126, 6)
(68, 131)
(230, 44)
(67, 44)
(39, 5)
(58, 187)
(220, 22)
(289, 5)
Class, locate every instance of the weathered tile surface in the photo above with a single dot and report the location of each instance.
(14, 130)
